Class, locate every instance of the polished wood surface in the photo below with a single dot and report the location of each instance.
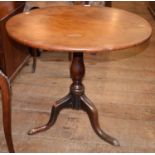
(6, 107)
(123, 92)
(79, 28)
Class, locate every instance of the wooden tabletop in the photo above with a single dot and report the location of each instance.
(79, 28)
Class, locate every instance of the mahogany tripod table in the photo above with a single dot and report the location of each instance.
(78, 29)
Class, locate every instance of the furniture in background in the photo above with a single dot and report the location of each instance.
(151, 6)
(6, 109)
(94, 3)
(103, 30)
(12, 54)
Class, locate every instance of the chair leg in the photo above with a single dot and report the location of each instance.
(70, 55)
(6, 108)
(34, 60)
(34, 53)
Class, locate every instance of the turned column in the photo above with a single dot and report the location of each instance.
(77, 71)
(76, 99)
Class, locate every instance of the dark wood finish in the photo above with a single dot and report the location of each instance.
(34, 53)
(77, 99)
(6, 108)
(12, 54)
(108, 3)
(78, 29)
(151, 6)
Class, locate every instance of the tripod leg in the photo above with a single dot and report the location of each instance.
(91, 110)
(60, 104)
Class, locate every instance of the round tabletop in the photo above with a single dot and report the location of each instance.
(79, 28)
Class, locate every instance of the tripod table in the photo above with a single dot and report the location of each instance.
(78, 29)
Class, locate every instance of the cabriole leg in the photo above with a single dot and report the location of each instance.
(77, 100)
(6, 108)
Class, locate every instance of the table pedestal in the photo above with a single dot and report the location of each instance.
(77, 99)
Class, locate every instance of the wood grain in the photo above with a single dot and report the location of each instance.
(125, 96)
(79, 28)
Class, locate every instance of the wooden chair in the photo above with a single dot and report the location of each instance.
(6, 109)
(13, 55)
